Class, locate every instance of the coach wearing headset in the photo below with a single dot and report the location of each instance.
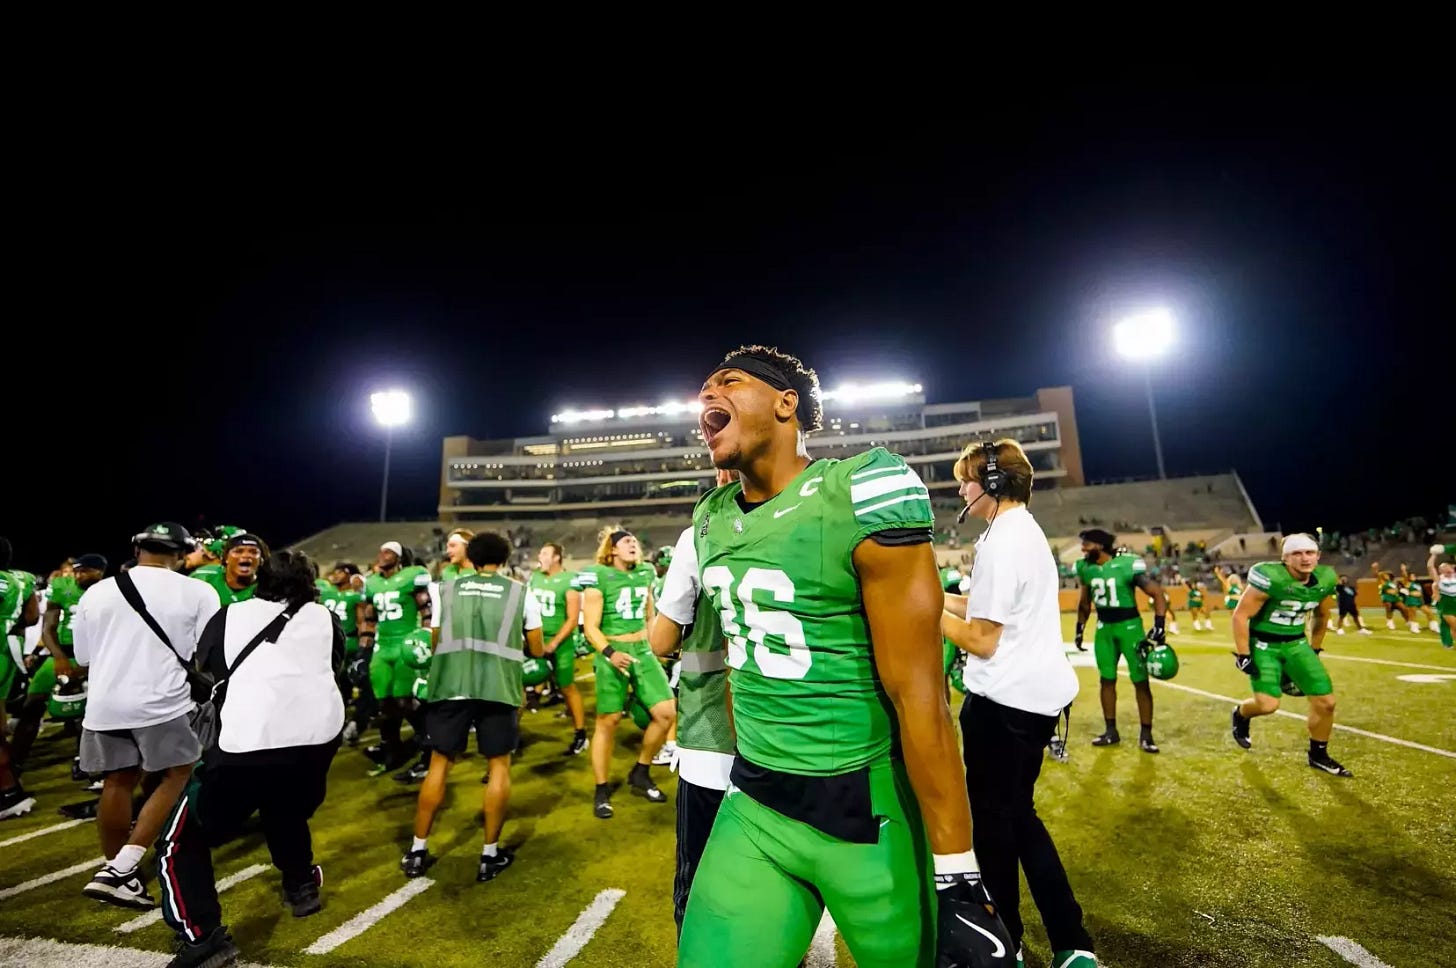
(1017, 683)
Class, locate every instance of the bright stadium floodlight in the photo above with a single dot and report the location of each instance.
(852, 393)
(391, 409)
(1144, 337)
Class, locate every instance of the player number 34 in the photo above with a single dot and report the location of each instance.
(762, 622)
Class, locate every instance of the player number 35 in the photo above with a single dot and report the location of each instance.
(762, 622)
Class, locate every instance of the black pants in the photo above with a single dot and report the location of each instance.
(212, 810)
(697, 808)
(1347, 607)
(1003, 754)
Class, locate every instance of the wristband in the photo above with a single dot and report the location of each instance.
(608, 652)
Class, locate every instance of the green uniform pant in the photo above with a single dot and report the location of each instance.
(44, 680)
(8, 671)
(646, 677)
(1295, 659)
(390, 671)
(563, 662)
(765, 880)
(1120, 640)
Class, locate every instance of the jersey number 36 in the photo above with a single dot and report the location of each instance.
(761, 622)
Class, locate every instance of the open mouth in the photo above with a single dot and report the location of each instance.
(714, 421)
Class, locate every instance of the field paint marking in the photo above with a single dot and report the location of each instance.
(42, 832)
(1390, 662)
(588, 677)
(1281, 712)
(1425, 678)
(44, 953)
(592, 917)
(821, 949)
(85, 865)
(367, 919)
(1352, 952)
(155, 915)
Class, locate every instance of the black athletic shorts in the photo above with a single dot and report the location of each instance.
(447, 724)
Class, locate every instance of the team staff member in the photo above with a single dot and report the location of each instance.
(1018, 681)
(485, 622)
(1345, 599)
(139, 700)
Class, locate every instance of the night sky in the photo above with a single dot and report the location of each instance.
(210, 308)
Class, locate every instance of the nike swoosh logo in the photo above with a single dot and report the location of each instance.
(1000, 950)
(782, 511)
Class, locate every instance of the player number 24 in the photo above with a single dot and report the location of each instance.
(762, 622)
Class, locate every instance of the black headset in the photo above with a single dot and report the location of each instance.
(993, 478)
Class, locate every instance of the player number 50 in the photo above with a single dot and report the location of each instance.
(761, 622)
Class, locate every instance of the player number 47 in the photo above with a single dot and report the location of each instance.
(761, 622)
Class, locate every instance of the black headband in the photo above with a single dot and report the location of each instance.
(618, 536)
(765, 370)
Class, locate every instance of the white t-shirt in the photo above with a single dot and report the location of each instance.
(134, 680)
(1014, 582)
(678, 604)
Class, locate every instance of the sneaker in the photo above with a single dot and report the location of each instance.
(1240, 729)
(579, 744)
(1058, 749)
(492, 866)
(1366, 632)
(1390, 624)
(1147, 745)
(1328, 764)
(1415, 629)
(416, 862)
(602, 809)
(86, 810)
(77, 774)
(1435, 626)
(1339, 631)
(1109, 738)
(351, 733)
(122, 888)
(95, 786)
(305, 899)
(533, 702)
(214, 951)
(642, 786)
(414, 774)
(1074, 959)
(664, 755)
(15, 803)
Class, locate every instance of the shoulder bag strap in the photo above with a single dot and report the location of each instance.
(134, 599)
(269, 633)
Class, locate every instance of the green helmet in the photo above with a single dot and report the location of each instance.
(582, 646)
(1287, 686)
(418, 650)
(535, 671)
(1161, 660)
(67, 701)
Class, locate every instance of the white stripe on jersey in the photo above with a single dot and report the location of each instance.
(906, 480)
(894, 500)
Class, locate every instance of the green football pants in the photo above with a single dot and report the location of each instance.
(765, 880)
(1297, 659)
(563, 663)
(1120, 640)
(646, 677)
(390, 672)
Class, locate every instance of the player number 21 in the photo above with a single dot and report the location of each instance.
(1104, 593)
(761, 622)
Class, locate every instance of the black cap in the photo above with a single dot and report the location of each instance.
(90, 561)
(167, 534)
(245, 538)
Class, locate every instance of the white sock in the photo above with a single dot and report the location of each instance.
(489, 850)
(128, 857)
(417, 844)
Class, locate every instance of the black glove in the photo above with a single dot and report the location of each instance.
(1156, 635)
(357, 668)
(1077, 638)
(970, 932)
(1246, 664)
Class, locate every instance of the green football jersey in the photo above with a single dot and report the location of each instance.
(215, 576)
(451, 572)
(806, 696)
(1290, 602)
(482, 629)
(550, 593)
(344, 604)
(65, 593)
(1113, 585)
(16, 587)
(394, 600)
(624, 595)
(702, 701)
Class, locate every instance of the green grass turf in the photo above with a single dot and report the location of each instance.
(1203, 855)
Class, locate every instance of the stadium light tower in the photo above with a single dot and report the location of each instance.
(391, 409)
(1144, 338)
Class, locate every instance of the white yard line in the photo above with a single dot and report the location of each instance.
(42, 953)
(569, 945)
(821, 949)
(155, 915)
(1348, 729)
(42, 832)
(365, 920)
(586, 678)
(1390, 662)
(1352, 952)
(85, 865)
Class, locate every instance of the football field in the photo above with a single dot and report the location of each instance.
(1202, 855)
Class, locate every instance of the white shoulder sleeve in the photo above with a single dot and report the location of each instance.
(533, 612)
(680, 586)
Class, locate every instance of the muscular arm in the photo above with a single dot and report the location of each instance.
(956, 604)
(368, 620)
(30, 614)
(535, 644)
(1318, 623)
(902, 603)
(1084, 605)
(664, 635)
(591, 603)
(50, 638)
(1154, 591)
(568, 624)
(425, 604)
(1249, 605)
